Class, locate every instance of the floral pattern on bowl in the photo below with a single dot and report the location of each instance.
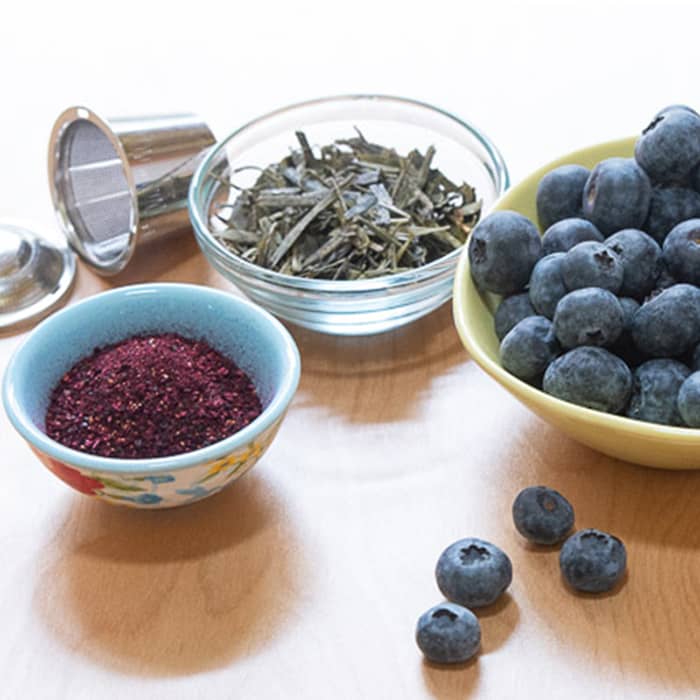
(160, 489)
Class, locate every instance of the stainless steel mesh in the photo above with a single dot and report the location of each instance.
(121, 183)
(96, 192)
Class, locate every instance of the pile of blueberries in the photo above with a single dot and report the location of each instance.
(473, 573)
(604, 309)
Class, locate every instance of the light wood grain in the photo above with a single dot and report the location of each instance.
(304, 580)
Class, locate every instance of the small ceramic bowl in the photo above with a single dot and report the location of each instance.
(630, 440)
(250, 336)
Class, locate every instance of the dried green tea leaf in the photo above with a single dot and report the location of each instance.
(348, 210)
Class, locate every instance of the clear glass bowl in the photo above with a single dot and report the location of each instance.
(356, 307)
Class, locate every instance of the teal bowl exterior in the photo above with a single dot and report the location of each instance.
(250, 336)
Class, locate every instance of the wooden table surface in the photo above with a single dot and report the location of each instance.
(305, 579)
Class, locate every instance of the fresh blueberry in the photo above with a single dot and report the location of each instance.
(624, 346)
(590, 316)
(641, 261)
(669, 148)
(593, 561)
(629, 309)
(674, 108)
(694, 179)
(689, 400)
(668, 325)
(668, 207)
(590, 377)
(592, 264)
(682, 252)
(565, 234)
(511, 311)
(473, 572)
(546, 284)
(542, 515)
(503, 249)
(559, 194)
(665, 280)
(655, 387)
(616, 195)
(448, 634)
(695, 359)
(529, 347)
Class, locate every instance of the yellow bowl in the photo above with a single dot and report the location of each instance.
(634, 441)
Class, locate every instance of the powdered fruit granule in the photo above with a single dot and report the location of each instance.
(150, 396)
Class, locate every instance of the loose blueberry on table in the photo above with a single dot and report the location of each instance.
(448, 634)
(542, 515)
(473, 572)
(593, 561)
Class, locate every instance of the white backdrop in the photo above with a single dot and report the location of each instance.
(540, 79)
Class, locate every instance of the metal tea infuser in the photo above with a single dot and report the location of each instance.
(118, 183)
(114, 184)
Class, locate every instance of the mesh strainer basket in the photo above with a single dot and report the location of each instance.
(120, 183)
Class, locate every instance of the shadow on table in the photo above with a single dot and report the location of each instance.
(173, 592)
(498, 621)
(377, 378)
(166, 260)
(649, 624)
(453, 681)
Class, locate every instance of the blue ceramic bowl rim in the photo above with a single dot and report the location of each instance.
(286, 347)
(419, 274)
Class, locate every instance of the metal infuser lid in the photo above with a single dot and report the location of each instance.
(35, 275)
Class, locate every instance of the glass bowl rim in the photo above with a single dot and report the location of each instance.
(248, 269)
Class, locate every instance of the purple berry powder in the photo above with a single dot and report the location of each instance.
(150, 396)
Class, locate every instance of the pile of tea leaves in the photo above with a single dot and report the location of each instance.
(352, 210)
